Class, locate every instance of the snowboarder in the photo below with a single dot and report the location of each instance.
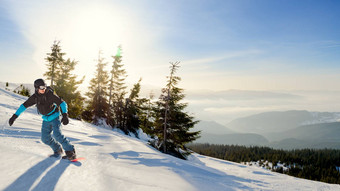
(48, 105)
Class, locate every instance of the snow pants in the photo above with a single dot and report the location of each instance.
(57, 139)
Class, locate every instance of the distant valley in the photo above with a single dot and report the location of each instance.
(281, 130)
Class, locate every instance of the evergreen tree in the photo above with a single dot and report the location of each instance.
(146, 115)
(320, 165)
(98, 105)
(66, 87)
(132, 110)
(117, 92)
(22, 90)
(172, 124)
(63, 81)
(54, 60)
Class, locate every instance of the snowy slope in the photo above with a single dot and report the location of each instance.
(117, 162)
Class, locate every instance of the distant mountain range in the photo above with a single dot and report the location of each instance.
(283, 130)
(323, 135)
(215, 133)
(279, 121)
(211, 127)
(248, 139)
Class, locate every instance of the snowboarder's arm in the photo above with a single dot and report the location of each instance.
(28, 103)
(31, 101)
(21, 109)
(63, 107)
(60, 102)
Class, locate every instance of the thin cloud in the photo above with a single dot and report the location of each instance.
(223, 110)
(237, 109)
(241, 95)
(228, 55)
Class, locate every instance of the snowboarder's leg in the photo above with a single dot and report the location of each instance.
(58, 153)
(46, 137)
(60, 137)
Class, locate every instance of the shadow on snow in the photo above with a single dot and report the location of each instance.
(49, 180)
(190, 171)
(18, 132)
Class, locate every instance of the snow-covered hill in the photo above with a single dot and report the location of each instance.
(117, 162)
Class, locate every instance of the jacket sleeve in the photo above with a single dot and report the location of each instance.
(28, 103)
(60, 102)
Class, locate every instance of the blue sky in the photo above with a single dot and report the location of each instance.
(282, 29)
(237, 36)
(253, 45)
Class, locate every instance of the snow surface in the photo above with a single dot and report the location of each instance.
(117, 162)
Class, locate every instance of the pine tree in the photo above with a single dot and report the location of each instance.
(66, 87)
(22, 90)
(54, 59)
(98, 93)
(132, 110)
(63, 81)
(117, 92)
(146, 115)
(172, 124)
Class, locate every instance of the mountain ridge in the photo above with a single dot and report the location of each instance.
(297, 129)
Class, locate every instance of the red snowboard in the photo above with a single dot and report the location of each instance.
(77, 159)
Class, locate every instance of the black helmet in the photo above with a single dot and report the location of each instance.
(38, 83)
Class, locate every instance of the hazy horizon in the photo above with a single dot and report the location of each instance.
(225, 106)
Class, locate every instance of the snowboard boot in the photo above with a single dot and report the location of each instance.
(57, 153)
(70, 155)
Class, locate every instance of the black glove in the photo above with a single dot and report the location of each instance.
(12, 119)
(64, 120)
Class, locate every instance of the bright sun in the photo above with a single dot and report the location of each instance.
(92, 29)
(97, 28)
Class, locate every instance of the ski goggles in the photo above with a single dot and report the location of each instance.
(42, 87)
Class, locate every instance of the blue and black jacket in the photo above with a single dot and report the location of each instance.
(47, 104)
